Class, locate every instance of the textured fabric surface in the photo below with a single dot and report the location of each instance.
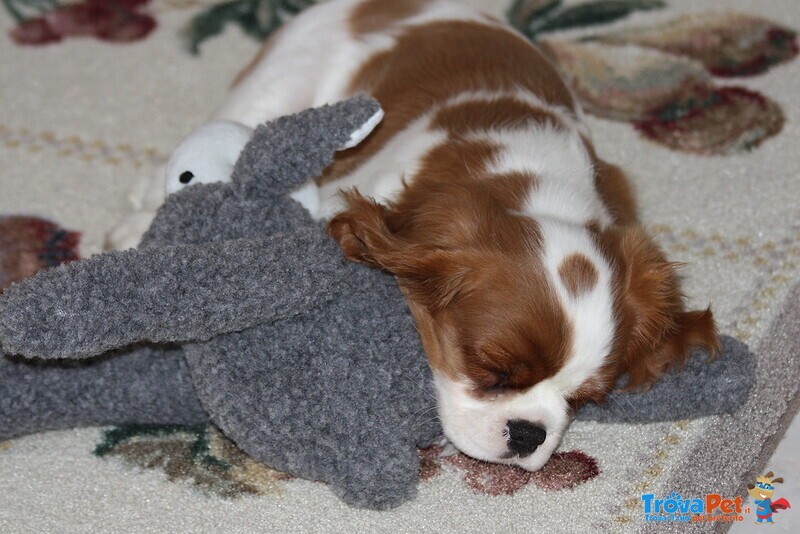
(84, 121)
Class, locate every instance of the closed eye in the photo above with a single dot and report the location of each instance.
(497, 383)
(500, 384)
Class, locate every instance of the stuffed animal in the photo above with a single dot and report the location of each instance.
(237, 308)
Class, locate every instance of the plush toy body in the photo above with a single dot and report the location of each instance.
(239, 309)
(309, 363)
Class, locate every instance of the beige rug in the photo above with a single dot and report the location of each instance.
(702, 111)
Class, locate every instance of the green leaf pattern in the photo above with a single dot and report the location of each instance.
(257, 18)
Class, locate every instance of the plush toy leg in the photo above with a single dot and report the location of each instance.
(146, 385)
(700, 389)
(305, 405)
(380, 482)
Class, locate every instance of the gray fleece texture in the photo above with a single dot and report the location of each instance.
(238, 308)
(703, 387)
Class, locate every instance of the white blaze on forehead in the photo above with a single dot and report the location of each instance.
(565, 187)
(563, 202)
(590, 313)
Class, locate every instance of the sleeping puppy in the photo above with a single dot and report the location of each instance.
(531, 282)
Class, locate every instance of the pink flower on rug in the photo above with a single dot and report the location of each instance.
(28, 244)
(564, 470)
(107, 20)
(718, 121)
(34, 31)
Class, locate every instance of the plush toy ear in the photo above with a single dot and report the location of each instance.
(291, 150)
(206, 155)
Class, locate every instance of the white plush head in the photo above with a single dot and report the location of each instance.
(206, 155)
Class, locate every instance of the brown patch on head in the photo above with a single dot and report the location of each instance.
(500, 113)
(487, 317)
(433, 62)
(578, 274)
(512, 331)
(379, 15)
(455, 202)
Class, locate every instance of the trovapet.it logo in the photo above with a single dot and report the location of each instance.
(712, 507)
(675, 508)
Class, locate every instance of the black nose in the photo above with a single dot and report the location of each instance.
(524, 437)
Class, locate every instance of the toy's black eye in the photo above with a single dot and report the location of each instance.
(186, 177)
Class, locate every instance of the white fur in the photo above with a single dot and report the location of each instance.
(310, 64)
(478, 426)
(590, 314)
(565, 175)
(315, 58)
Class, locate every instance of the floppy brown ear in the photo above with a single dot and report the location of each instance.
(778, 480)
(661, 332)
(362, 233)
(431, 276)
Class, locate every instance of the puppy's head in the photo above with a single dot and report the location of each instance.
(525, 320)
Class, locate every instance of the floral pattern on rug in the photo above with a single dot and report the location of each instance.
(660, 78)
(28, 244)
(199, 455)
(41, 22)
(202, 456)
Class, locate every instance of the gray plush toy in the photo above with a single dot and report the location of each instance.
(237, 308)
